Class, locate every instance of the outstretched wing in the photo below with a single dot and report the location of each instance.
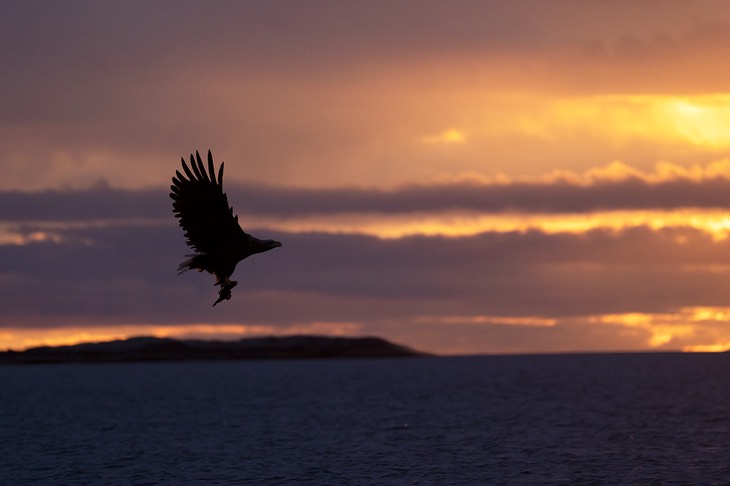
(202, 207)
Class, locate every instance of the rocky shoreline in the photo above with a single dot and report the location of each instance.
(166, 349)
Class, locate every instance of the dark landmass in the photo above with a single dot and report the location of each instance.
(164, 349)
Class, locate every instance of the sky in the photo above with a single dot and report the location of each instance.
(462, 177)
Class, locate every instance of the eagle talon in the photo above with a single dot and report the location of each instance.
(223, 294)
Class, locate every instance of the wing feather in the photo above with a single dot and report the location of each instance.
(194, 166)
(187, 170)
(211, 169)
(201, 167)
(202, 208)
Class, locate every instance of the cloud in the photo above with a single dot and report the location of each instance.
(614, 187)
(611, 188)
(517, 292)
(122, 275)
(96, 203)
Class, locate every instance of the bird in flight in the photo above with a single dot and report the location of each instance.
(210, 227)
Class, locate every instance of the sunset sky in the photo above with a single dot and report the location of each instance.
(457, 176)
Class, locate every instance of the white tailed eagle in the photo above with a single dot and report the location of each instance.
(210, 227)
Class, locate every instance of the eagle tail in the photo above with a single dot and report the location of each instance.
(194, 262)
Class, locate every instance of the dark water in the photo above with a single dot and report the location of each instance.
(581, 419)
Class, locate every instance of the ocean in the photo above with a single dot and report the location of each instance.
(549, 419)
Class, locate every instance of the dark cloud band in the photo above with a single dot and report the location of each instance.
(105, 203)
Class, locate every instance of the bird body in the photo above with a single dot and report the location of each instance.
(210, 227)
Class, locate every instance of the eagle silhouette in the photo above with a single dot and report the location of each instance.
(210, 227)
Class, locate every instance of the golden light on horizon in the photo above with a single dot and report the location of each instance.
(708, 348)
(688, 329)
(531, 321)
(714, 222)
(686, 324)
(19, 339)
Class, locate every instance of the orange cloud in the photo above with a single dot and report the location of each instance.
(703, 329)
(446, 137)
(699, 120)
(494, 320)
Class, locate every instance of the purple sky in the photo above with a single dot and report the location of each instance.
(458, 176)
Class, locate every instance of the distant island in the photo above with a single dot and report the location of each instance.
(166, 349)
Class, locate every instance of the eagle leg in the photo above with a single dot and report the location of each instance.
(226, 282)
